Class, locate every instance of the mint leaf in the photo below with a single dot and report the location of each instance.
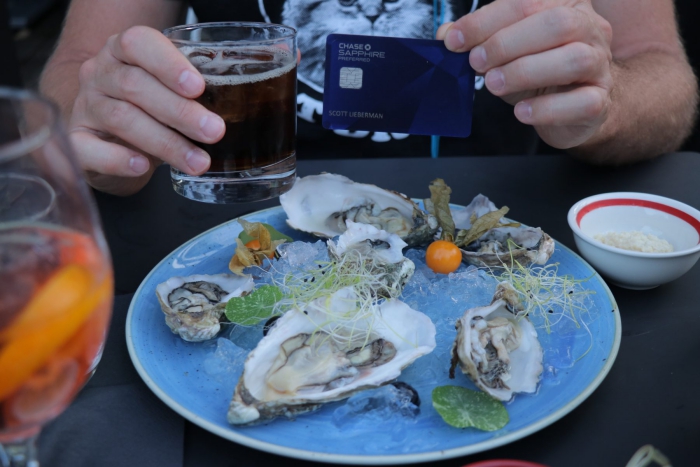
(462, 408)
(255, 307)
(274, 235)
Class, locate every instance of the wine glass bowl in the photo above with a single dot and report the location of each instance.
(25, 197)
(55, 274)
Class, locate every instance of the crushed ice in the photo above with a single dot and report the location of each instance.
(444, 298)
(383, 406)
(225, 364)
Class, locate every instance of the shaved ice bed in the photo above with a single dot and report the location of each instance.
(444, 298)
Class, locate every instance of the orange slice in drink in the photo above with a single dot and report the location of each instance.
(50, 319)
(64, 289)
(87, 342)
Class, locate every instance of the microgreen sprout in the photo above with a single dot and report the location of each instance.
(547, 295)
(350, 320)
(544, 292)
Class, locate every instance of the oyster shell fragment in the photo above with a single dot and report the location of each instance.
(308, 358)
(321, 205)
(497, 349)
(193, 305)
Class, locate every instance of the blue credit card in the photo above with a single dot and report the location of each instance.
(397, 85)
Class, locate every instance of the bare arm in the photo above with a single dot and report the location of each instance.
(655, 93)
(128, 93)
(606, 79)
(88, 25)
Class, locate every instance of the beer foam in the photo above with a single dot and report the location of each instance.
(222, 64)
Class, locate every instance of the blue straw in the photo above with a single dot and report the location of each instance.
(438, 19)
(434, 146)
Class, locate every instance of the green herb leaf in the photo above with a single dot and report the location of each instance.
(439, 206)
(462, 408)
(274, 235)
(255, 307)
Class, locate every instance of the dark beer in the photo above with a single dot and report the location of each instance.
(250, 75)
(254, 91)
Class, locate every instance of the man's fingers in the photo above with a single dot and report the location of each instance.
(583, 106)
(573, 63)
(537, 33)
(442, 31)
(107, 158)
(133, 125)
(133, 84)
(475, 28)
(149, 49)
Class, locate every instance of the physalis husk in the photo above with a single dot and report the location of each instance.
(254, 252)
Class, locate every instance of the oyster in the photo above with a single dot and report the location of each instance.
(309, 358)
(320, 204)
(491, 249)
(193, 305)
(497, 349)
(495, 247)
(383, 251)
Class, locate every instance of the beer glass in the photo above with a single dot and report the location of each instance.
(250, 75)
(55, 274)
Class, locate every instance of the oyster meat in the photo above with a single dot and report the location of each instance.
(193, 305)
(494, 247)
(498, 349)
(309, 358)
(320, 204)
(382, 252)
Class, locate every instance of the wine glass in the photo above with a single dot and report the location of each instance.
(55, 274)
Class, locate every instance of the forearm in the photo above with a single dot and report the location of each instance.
(59, 82)
(86, 30)
(652, 111)
(88, 97)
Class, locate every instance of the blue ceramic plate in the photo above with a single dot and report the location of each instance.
(576, 359)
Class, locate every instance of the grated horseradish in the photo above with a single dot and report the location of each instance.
(635, 241)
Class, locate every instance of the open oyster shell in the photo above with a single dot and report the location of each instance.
(320, 204)
(193, 305)
(308, 359)
(492, 248)
(381, 250)
(497, 349)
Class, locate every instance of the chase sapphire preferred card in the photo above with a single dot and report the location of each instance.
(397, 85)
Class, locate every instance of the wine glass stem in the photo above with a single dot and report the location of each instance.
(19, 454)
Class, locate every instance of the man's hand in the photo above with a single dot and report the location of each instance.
(549, 58)
(133, 107)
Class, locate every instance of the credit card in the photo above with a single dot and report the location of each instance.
(397, 85)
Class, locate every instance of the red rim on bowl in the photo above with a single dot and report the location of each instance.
(659, 203)
(604, 203)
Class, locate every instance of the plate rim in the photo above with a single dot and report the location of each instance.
(355, 459)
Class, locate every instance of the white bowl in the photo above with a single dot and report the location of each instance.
(670, 220)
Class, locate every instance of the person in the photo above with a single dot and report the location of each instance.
(607, 80)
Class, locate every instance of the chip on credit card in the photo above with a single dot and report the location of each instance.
(397, 85)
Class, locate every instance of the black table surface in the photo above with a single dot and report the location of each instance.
(649, 396)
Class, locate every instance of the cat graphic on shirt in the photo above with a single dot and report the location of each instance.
(315, 19)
